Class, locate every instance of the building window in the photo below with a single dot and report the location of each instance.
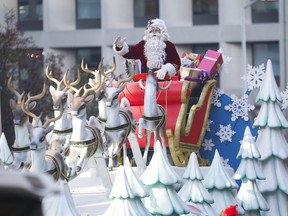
(144, 11)
(91, 56)
(265, 12)
(264, 51)
(88, 14)
(205, 12)
(31, 70)
(30, 14)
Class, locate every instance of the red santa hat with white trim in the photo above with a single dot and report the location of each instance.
(158, 23)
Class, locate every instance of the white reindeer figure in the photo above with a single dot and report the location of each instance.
(43, 160)
(60, 136)
(154, 116)
(20, 148)
(117, 118)
(86, 138)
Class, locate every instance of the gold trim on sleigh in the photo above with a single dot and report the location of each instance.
(181, 151)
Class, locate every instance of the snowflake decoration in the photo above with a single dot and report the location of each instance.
(284, 96)
(225, 162)
(239, 107)
(215, 97)
(226, 61)
(209, 123)
(225, 133)
(208, 145)
(254, 76)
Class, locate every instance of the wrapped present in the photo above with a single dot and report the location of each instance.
(211, 62)
(195, 58)
(194, 75)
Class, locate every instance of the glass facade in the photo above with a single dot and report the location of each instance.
(267, 50)
(144, 11)
(91, 56)
(30, 14)
(88, 14)
(265, 12)
(205, 12)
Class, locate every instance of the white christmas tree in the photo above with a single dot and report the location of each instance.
(6, 156)
(193, 190)
(221, 186)
(160, 179)
(249, 171)
(126, 193)
(272, 146)
(60, 204)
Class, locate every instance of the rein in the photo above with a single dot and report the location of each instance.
(20, 149)
(66, 131)
(160, 118)
(86, 143)
(122, 126)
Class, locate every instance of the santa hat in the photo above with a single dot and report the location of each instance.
(158, 23)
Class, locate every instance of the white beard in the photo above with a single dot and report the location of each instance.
(154, 50)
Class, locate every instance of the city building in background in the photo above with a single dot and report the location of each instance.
(86, 29)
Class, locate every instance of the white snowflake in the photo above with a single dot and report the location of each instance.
(239, 107)
(284, 96)
(208, 145)
(209, 123)
(254, 76)
(225, 162)
(226, 61)
(225, 133)
(215, 97)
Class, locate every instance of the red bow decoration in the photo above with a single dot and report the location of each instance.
(230, 211)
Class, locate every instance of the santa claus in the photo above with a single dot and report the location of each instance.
(155, 51)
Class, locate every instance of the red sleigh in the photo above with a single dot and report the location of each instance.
(187, 104)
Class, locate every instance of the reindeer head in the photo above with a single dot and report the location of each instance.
(19, 117)
(110, 91)
(38, 131)
(59, 95)
(77, 102)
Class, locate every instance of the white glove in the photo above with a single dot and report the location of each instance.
(119, 41)
(166, 68)
(161, 73)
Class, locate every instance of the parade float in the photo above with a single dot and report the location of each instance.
(172, 147)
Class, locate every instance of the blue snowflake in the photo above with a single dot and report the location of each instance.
(239, 107)
(225, 133)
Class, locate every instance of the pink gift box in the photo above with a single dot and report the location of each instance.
(211, 63)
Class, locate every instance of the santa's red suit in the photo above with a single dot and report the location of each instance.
(137, 52)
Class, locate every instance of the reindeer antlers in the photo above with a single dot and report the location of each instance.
(24, 106)
(100, 70)
(92, 89)
(58, 83)
(13, 90)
